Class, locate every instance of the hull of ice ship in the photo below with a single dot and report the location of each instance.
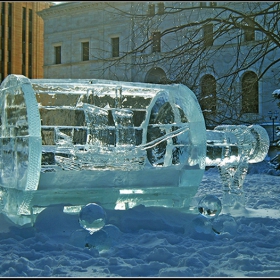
(121, 189)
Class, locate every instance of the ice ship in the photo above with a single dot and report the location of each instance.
(117, 144)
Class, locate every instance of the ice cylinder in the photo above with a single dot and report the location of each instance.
(118, 144)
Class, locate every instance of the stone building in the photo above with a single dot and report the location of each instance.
(22, 39)
(85, 40)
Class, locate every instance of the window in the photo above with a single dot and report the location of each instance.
(30, 63)
(85, 51)
(30, 37)
(3, 8)
(57, 53)
(2, 29)
(208, 35)
(151, 10)
(9, 55)
(23, 47)
(160, 8)
(2, 50)
(156, 36)
(9, 9)
(208, 94)
(115, 47)
(250, 93)
(30, 15)
(9, 32)
(23, 13)
(202, 4)
(9, 71)
(249, 31)
(29, 72)
(23, 35)
(23, 66)
(30, 27)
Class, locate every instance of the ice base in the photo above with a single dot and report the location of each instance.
(119, 197)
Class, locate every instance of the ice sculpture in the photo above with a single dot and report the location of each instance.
(117, 144)
(231, 148)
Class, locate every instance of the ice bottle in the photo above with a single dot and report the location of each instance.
(117, 144)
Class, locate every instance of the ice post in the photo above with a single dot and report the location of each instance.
(116, 144)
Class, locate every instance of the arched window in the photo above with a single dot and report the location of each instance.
(250, 93)
(156, 76)
(208, 94)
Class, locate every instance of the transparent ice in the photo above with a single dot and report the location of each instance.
(231, 148)
(223, 224)
(104, 238)
(202, 224)
(276, 93)
(92, 217)
(98, 240)
(210, 206)
(119, 144)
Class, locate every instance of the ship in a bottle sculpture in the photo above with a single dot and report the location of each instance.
(117, 144)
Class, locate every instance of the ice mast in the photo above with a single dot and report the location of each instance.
(118, 144)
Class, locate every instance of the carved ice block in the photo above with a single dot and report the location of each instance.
(231, 148)
(118, 144)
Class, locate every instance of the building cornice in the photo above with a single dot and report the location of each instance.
(72, 7)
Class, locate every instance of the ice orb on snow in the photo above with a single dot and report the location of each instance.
(202, 225)
(98, 240)
(225, 224)
(92, 217)
(210, 206)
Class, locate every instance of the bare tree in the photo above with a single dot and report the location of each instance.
(190, 39)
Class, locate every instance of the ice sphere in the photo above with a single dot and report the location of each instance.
(92, 217)
(98, 240)
(112, 231)
(210, 206)
(120, 144)
(78, 238)
(101, 239)
(202, 224)
(224, 224)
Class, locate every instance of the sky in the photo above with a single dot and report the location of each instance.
(154, 241)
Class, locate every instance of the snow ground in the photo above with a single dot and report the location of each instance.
(154, 241)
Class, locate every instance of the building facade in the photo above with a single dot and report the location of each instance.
(85, 40)
(21, 43)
